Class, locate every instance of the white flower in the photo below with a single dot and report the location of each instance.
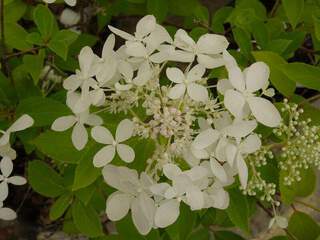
(25, 121)
(132, 194)
(78, 121)
(279, 221)
(187, 82)
(208, 48)
(241, 99)
(215, 196)
(106, 154)
(6, 214)
(69, 17)
(6, 167)
(186, 186)
(69, 2)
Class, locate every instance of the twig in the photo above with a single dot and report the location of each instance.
(4, 64)
(274, 8)
(31, 50)
(308, 100)
(308, 205)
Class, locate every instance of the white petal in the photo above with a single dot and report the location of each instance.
(126, 70)
(236, 77)
(25, 121)
(108, 46)
(126, 153)
(171, 170)
(197, 92)
(71, 2)
(210, 61)
(167, 213)
(124, 130)
(218, 170)
(194, 198)
(94, 120)
(118, 205)
(282, 222)
(257, 76)
(242, 171)
(17, 180)
(5, 138)
(241, 128)
(159, 188)
(143, 210)
(231, 151)
(196, 73)
(79, 136)
(234, 102)
(212, 43)
(251, 144)
(72, 82)
(104, 156)
(264, 111)
(144, 74)
(177, 91)
(223, 85)
(206, 138)
(102, 135)
(121, 33)
(136, 49)
(175, 75)
(183, 40)
(146, 25)
(7, 214)
(63, 123)
(6, 166)
(4, 191)
(199, 153)
(87, 60)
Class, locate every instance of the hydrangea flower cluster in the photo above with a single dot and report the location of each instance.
(6, 164)
(202, 142)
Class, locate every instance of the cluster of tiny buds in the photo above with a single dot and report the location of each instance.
(301, 146)
(260, 157)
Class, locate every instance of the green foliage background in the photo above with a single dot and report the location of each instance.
(285, 34)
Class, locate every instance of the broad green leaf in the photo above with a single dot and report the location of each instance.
(226, 235)
(243, 40)
(61, 42)
(45, 21)
(15, 36)
(238, 210)
(7, 92)
(86, 173)
(278, 45)
(34, 38)
(44, 180)
(219, 18)
(158, 8)
(304, 74)
(197, 32)
(34, 65)
(303, 227)
(143, 149)
(293, 10)
(200, 234)
(182, 7)
(49, 141)
(309, 111)
(279, 238)
(201, 14)
(86, 219)
(43, 110)
(60, 206)
(276, 63)
(14, 11)
(260, 34)
(85, 194)
(316, 23)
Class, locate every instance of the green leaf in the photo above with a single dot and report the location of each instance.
(43, 110)
(49, 141)
(201, 14)
(45, 21)
(7, 91)
(316, 24)
(60, 206)
(143, 149)
(303, 188)
(219, 18)
(14, 11)
(304, 74)
(85, 194)
(86, 220)
(86, 173)
(276, 63)
(158, 8)
(44, 180)
(303, 227)
(278, 45)
(226, 235)
(243, 40)
(61, 42)
(293, 10)
(15, 36)
(238, 210)
(279, 238)
(34, 65)
(34, 38)
(260, 34)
